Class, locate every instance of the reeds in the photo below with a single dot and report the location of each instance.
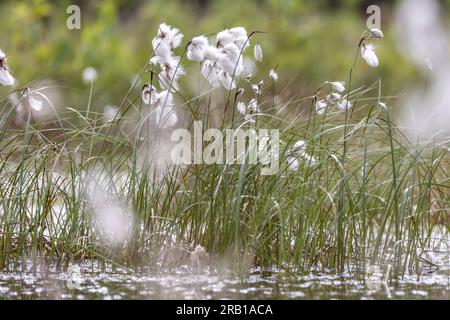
(369, 197)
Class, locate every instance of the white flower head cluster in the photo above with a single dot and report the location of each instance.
(338, 86)
(248, 110)
(368, 50)
(163, 44)
(257, 52)
(273, 75)
(334, 98)
(222, 63)
(257, 87)
(89, 75)
(165, 114)
(6, 79)
(369, 55)
(296, 152)
(376, 33)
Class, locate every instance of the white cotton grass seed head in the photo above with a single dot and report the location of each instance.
(176, 37)
(238, 32)
(321, 106)
(161, 49)
(333, 98)
(273, 75)
(295, 153)
(231, 51)
(222, 63)
(165, 98)
(299, 150)
(154, 60)
(171, 72)
(256, 88)
(292, 163)
(211, 53)
(210, 73)
(168, 35)
(89, 75)
(162, 109)
(196, 48)
(6, 79)
(230, 60)
(241, 107)
(226, 80)
(338, 86)
(300, 144)
(35, 103)
(240, 37)
(163, 43)
(242, 43)
(257, 52)
(237, 35)
(149, 94)
(224, 37)
(344, 104)
(368, 54)
(165, 112)
(163, 31)
(376, 33)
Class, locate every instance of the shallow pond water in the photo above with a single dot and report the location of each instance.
(81, 284)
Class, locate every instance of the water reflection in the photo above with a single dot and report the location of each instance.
(83, 283)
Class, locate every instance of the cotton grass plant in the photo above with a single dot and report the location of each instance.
(351, 192)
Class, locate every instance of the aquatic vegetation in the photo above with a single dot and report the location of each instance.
(368, 54)
(223, 62)
(273, 75)
(351, 191)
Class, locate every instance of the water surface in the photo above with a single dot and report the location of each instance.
(83, 283)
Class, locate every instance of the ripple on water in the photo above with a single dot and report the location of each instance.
(82, 283)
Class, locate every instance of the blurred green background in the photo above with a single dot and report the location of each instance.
(307, 41)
